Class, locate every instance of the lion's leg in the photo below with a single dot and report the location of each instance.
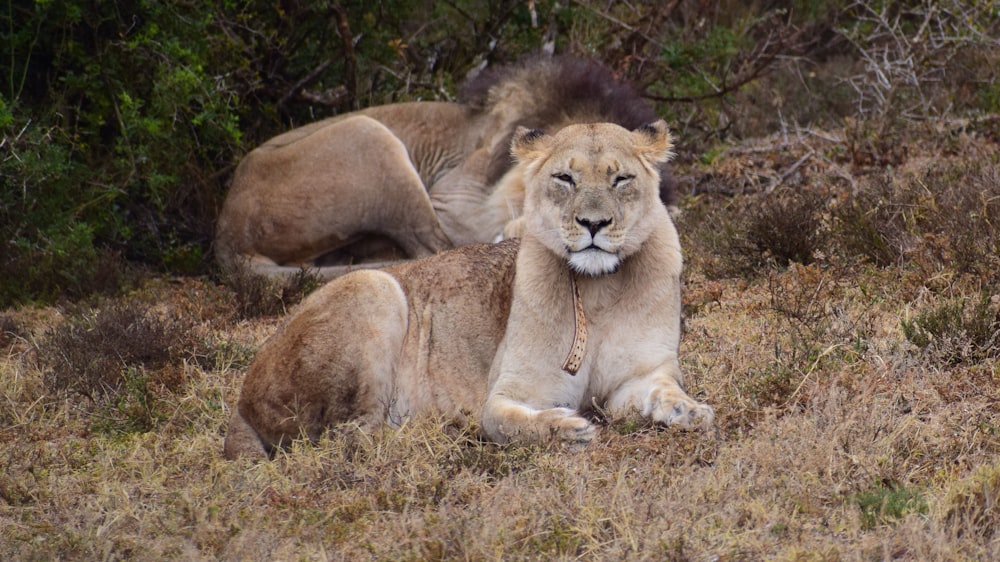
(380, 190)
(507, 420)
(536, 408)
(659, 396)
(406, 213)
(334, 361)
(352, 179)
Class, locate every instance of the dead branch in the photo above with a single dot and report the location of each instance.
(297, 88)
(350, 60)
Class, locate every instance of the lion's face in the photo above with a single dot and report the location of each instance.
(591, 189)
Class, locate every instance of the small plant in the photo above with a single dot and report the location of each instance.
(957, 329)
(136, 408)
(886, 503)
(97, 353)
(258, 296)
(771, 387)
(972, 507)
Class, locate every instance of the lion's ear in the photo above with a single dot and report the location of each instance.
(653, 141)
(527, 144)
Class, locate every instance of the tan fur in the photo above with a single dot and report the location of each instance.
(484, 329)
(399, 181)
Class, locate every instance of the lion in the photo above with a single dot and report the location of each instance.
(484, 329)
(407, 180)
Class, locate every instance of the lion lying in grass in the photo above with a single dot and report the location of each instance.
(406, 180)
(485, 329)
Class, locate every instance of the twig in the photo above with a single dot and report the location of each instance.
(350, 60)
(791, 170)
(622, 24)
(305, 81)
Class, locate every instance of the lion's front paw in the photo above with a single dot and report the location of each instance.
(684, 412)
(505, 421)
(565, 426)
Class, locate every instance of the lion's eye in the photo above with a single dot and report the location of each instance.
(620, 181)
(565, 178)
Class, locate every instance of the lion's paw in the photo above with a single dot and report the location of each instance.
(565, 426)
(684, 412)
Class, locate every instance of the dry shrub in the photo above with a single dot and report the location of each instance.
(916, 57)
(743, 235)
(966, 212)
(123, 356)
(258, 296)
(957, 329)
(785, 227)
(871, 225)
(944, 217)
(99, 352)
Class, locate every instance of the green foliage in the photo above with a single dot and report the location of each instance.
(122, 121)
(886, 503)
(718, 47)
(116, 122)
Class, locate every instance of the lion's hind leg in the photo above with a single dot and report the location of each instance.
(375, 189)
(335, 361)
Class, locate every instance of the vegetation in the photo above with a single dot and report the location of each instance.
(839, 165)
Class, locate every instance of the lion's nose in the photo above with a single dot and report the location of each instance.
(594, 226)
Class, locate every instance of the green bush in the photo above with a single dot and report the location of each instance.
(122, 121)
(887, 503)
(114, 121)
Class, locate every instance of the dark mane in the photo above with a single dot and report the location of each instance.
(563, 90)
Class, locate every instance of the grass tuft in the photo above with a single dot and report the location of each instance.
(258, 296)
(887, 503)
(957, 329)
(972, 507)
(11, 330)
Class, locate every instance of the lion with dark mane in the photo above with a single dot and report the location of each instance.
(407, 180)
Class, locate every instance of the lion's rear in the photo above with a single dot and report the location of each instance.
(334, 361)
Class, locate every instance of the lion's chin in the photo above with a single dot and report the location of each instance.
(594, 262)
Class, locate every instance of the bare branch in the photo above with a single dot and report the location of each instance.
(350, 60)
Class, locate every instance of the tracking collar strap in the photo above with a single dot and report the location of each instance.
(575, 358)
